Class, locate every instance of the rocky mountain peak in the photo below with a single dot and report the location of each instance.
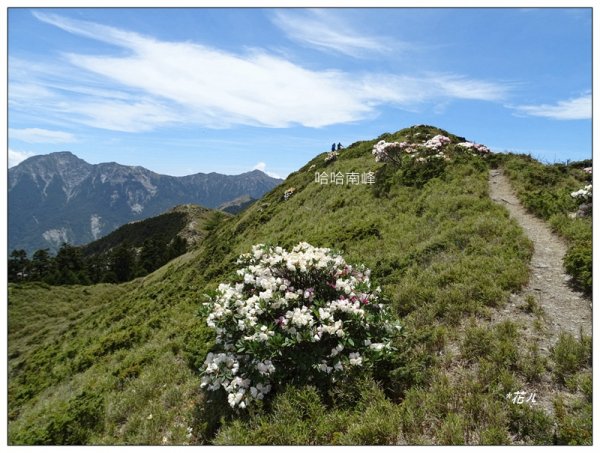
(58, 197)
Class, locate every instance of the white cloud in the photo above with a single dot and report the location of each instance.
(405, 90)
(16, 157)
(324, 31)
(579, 108)
(121, 116)
(262, 167)
(90, 30)
(18, 91)
(189, 83)
(35, 135)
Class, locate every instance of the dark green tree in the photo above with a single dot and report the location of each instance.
(98, 267)
(123, 263)
(178, 246)
(70, 267)
(153, 254)
(18, 265)
(41, 264)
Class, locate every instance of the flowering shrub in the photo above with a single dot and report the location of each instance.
(391, 152)
(477, 148)
(293, 317)
(397, 152)
(437, 142)
(331, 156)
(584, 195)
(428, 151)
(418, 162)
(289, 192)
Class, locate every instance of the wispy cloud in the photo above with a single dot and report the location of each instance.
(263, 167)
(92, 30)
(16, 157)
(116, 115)
(324, 31)
(35, 135)
(579, 108)
(189, 83)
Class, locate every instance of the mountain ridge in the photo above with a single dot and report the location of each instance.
(59, 197)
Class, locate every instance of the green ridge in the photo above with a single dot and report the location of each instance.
(118, 364)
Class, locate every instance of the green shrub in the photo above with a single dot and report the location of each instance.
(574, 427)
(452, 430)
(300, 417)
(531, 425)
(415, 174)
(533, 365)
(70, 423)
(578, 263)
(478, 342)
(495, 436)
(570, 355)
(497, 345)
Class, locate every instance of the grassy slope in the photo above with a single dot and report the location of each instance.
(118, 364)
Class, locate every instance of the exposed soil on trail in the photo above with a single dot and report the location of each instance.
(564, 310)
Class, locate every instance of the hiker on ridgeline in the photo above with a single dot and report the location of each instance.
(339, 146)
(333, 147)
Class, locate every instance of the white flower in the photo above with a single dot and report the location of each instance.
(235, 398)
(437, 142)
(335, 351)
(377, 346)
(291, 295)
(266, 295)
(355, 359)
(265, 367)
(583, 194)
(481, 149)
(300, 317)
(324, 314)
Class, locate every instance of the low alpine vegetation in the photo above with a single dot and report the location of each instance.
(298, 317)
(554, 193)
(584, 195)
(432, 149)
(416, 163)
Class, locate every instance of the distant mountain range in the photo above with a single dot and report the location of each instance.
(59, 197)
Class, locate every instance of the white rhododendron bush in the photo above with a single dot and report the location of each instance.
(584, 195)
(417, 163)
(303, 316)
(432, 149)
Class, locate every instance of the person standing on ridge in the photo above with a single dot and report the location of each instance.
(339, 146)
(333, 147)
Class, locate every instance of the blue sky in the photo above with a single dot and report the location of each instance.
(181, 91)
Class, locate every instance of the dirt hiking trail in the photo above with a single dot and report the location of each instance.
(563, 308)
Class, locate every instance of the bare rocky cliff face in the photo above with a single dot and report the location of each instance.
(59, 197)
